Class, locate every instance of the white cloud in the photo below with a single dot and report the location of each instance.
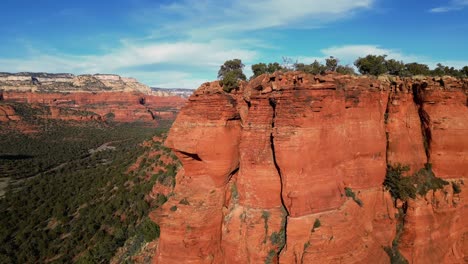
(347, 54)
(173, 79)
(192, 34)
(208, 56)
(453, 5)
(203, 19)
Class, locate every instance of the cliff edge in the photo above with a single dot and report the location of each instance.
(290, 169)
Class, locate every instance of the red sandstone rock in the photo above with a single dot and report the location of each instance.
(276, 156)
(125, 106)
(7, 113)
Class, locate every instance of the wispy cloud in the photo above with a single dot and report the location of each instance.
(206, 18)
(347, 54)
(453, 5)
(190, 34)
(184, 54)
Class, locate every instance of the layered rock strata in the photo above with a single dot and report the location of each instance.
(66, 82)
(118, 106)
(290, 169)
(85, 97)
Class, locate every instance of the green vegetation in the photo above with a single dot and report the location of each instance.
(371, 64)
(349, 193)
(378, 64)
(234, 191)
(393, 252)
(331, 64)
(404, 187)
(407, 187)
(261, 68)
(265, 216)
(79, 206)
(26, 155)
(317, 224)
(230, 73)
(271, 255)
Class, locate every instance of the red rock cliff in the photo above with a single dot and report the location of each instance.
(290, 169)
(124, 106)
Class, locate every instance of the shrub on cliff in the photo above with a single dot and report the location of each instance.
(261, 68)
(331, 63)
(345, 69)
(230, 73)
(395, 67)
(313, 68)
(407, 187)
(464, 71)
(415, 68)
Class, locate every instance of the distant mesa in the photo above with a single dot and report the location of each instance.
(66, 82)
(96, 97)
(182, 92)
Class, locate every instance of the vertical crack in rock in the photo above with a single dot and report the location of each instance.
(386, 116)
(418, 98)
(393, 251)
(272, 102)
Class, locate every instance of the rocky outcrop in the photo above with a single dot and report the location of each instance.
(65, 82)
(7, 113)
(290, 169)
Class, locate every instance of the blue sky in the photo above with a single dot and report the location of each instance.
(182, 43)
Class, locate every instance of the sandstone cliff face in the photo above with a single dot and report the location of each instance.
(290, 168)
(118, 106)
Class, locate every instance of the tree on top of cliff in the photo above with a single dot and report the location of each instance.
(372, 64)
(313, 68)
(261, 68)
(415, 68)
(395, 67)
(464, 71)
(331, 63)
(230, 73)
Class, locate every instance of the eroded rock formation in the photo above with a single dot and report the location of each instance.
(85, 97)
(290, 169)
(66, 82)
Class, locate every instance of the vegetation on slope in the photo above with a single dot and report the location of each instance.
(85, 209)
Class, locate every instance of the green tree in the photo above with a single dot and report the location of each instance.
(415, 68)
(439, 70)
(346, 69)
(313, 68)
(372, 64)
(331, 63)
(395, 67)
(230, 73)
(272, 67)
(259, 69)
(464, 71)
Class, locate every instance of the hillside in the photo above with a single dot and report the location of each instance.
(81, 192)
